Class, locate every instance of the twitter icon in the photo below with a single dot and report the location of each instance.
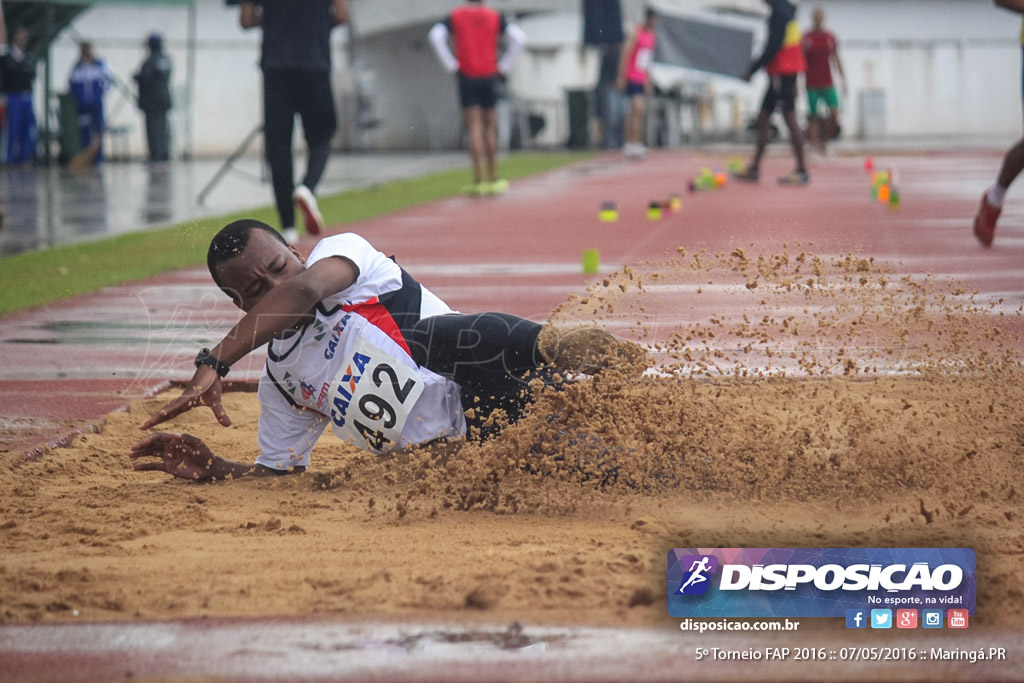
(881, 618)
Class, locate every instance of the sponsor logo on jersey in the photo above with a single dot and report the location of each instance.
(332, 343)
(346, 387)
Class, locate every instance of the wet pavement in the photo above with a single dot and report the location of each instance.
(44, 207)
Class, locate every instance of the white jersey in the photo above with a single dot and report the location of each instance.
(352, 369)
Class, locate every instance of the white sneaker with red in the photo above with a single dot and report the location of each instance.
(306, 203)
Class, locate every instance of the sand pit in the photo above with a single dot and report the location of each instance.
(747, 435)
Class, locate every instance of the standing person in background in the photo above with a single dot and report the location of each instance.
(476, 30)
(1013, 164)
(19, 72)
(90, 79)
(296, 63)
(821, 52)
(634, 80)
(154, 79)
(783, 61)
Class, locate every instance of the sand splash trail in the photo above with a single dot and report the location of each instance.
(798, 400)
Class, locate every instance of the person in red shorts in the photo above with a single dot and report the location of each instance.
(475, 31)
(820, 51)
(783, 60)
(1013, 164)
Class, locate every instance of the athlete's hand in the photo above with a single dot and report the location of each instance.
(747, 75)
(204, 389)
(182, 455)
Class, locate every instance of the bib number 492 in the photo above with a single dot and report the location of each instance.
(376, 408)
(379, 411)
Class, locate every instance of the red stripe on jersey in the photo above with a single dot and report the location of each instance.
(379, 317)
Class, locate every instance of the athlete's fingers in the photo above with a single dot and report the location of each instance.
(222, 415)
(157, 466)
(151, 445)
(171, 410)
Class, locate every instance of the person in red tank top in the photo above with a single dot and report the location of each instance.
(821, 51)
(476, 31)
(783, 60)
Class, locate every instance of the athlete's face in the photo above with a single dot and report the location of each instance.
(819, 19)
(264, 264)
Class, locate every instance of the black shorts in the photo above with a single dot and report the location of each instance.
(491, 356)
(478, 92)
(781, 91)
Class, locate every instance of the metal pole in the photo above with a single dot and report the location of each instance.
(190, 79)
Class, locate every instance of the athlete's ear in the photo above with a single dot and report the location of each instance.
(298, 254)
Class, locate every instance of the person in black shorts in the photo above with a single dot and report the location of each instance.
(783, 60)
(475, 31)
(296, 63)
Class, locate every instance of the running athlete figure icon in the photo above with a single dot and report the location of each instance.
(783, 61)
(697, 573)
(821, 52)
(476, 30)
(1013, 163)
(634, 80)
(357, 344)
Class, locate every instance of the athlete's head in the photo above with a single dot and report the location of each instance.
(650, 17)
(819, 18)
(248, 258)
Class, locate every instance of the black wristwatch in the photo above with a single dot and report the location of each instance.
(204, 357)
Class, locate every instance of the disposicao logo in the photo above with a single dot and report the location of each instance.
(817, 582)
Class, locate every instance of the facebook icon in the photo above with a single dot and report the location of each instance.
(856, 618)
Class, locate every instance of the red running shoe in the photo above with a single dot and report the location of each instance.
(985, 221)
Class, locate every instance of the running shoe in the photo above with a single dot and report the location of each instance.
(751, 175)
(795, 178)
(499, 186)
(476, 189)
(985, 221)
(306, 203)
(291, 235)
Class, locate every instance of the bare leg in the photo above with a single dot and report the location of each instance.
(797, 139)
(635, 122)
(490, 136)
(830, 128)
(762, 139)
(814, 132)
(1013, 164)
(475, 133)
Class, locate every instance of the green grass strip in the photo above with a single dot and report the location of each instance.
(39, 277)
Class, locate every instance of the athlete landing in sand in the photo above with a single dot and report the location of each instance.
(358, 344)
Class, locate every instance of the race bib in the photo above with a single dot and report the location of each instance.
(371, 397)
(644, 57)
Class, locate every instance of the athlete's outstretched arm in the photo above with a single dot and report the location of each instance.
(187, 457)
(279, 309)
